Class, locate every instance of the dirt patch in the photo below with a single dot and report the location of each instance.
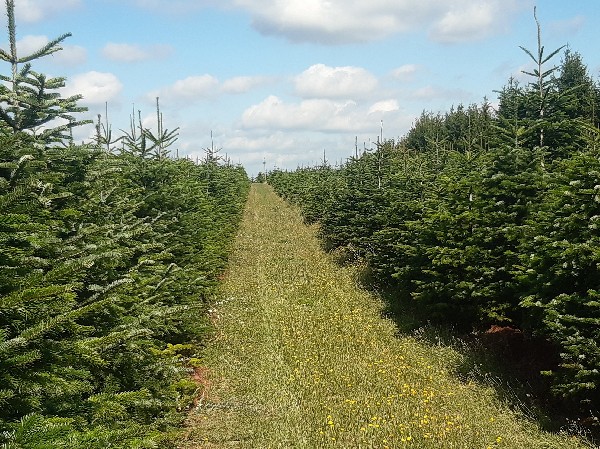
(527, 354)
(200, 377)
(522, 357)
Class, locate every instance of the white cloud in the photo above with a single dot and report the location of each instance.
(470, 21)
(340, 21)
(406, 72)
(96, 87)
(384, 106)
(258, 144)
(30, 43)
(189, 89)
(316, 115)
(321, 81)
(122, 52)
(37, 10)
(71, 55)
(200, 87)
(330, 21)
(286, 150)
(194, 86)
(243, 84)
(84, 133)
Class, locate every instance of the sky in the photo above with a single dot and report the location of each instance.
(280, 83)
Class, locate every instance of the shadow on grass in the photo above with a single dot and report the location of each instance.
(501, 357)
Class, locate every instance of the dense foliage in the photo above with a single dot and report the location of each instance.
(107, 262)
(482, 216)
(107, 258)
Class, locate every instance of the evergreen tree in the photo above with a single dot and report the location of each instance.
(104, 256)
(581, 91)
(512, 127)
(163, 139)
(542, 83)
(30, 101)
(560, 261)
(429, 130)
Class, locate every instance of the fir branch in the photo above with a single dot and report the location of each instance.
(48, 49)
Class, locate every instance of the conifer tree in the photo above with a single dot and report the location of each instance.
(102, 255)
(104, 136)
(30, 101)
(542, 83)
(485, 220)
(163, 139)
(560, 260)
(579, 91)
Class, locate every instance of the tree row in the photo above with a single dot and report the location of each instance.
(484, 216)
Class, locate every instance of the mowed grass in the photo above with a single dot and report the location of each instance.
(302, 358)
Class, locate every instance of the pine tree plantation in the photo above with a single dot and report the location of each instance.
(479, 217)
(108, 259)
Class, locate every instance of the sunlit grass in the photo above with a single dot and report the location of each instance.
(302, 358)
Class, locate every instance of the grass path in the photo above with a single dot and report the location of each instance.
(301, 358)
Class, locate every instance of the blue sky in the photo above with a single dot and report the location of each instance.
(284, 80)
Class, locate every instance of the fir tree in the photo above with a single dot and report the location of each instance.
(31, 102)
(103, 258)
(575, 81)
(542, 84)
